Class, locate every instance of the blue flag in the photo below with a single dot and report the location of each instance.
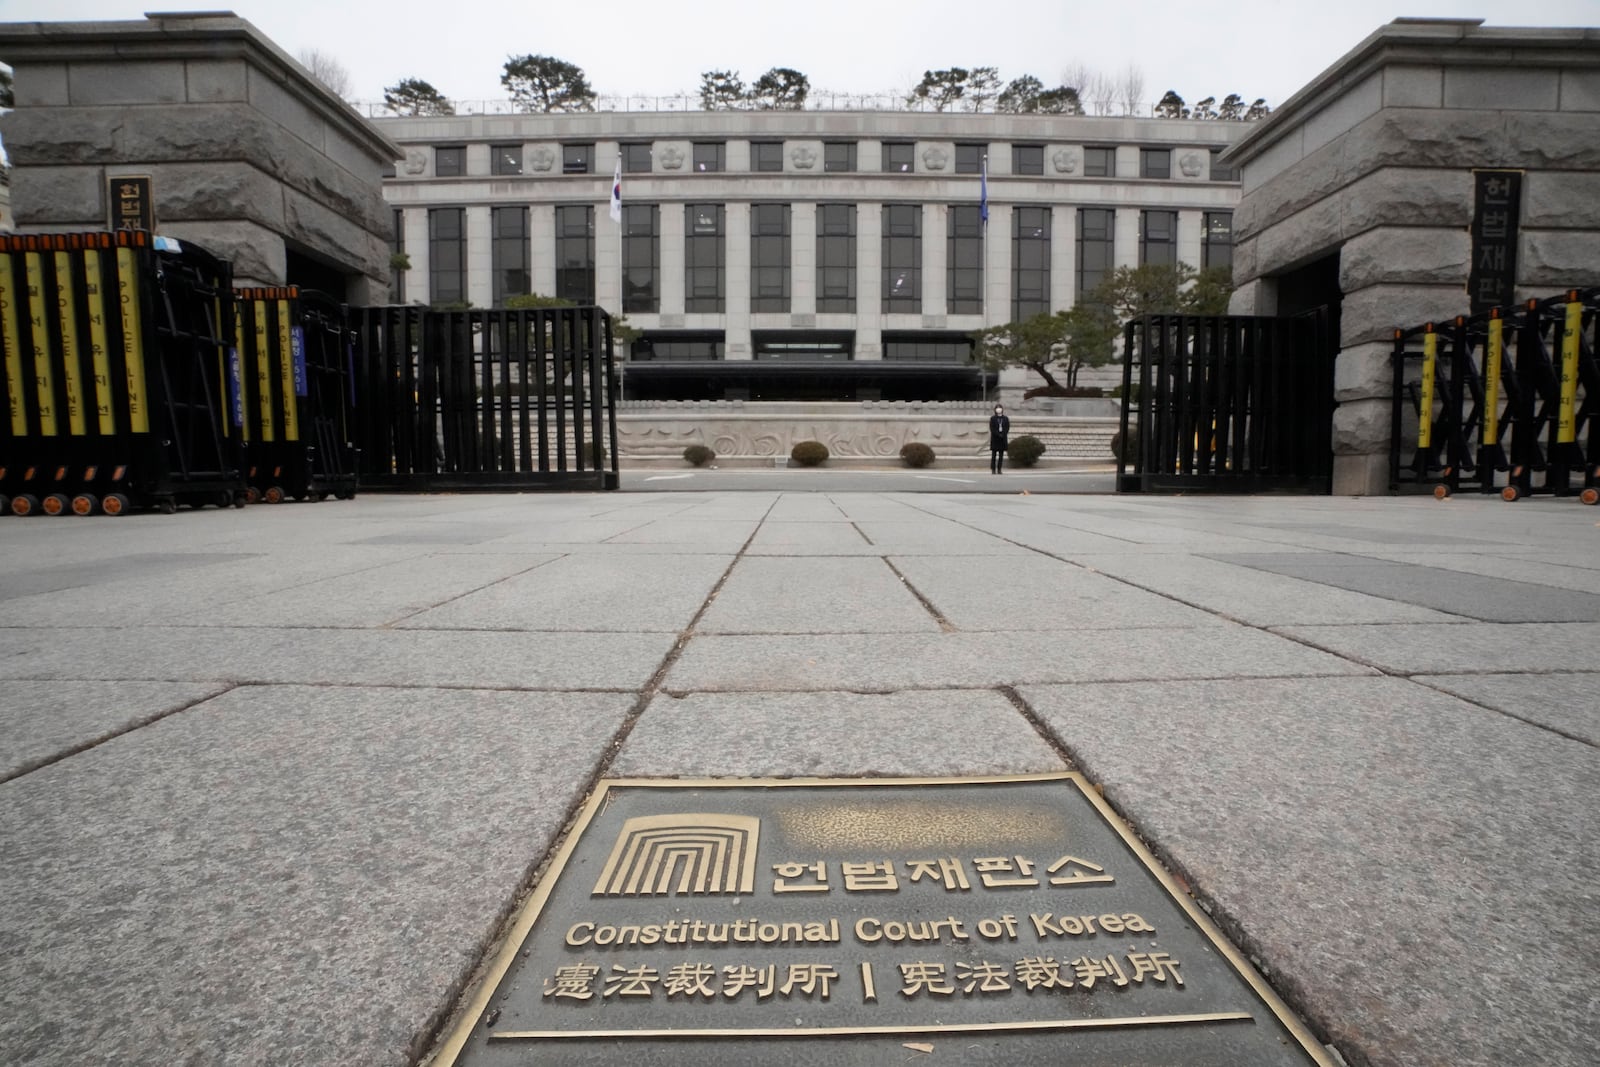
(983, 191)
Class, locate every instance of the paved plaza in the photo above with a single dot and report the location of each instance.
(271, 780)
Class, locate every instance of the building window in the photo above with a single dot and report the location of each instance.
(505, 159)
(1095, 247)
(899, 157)
(1155, 162)
(1099, 162)
(969, 158)
(509, 252)
(1030, 262)
(678, 347)
(708, 156)
(1027, 159)
(449, 161)
(575, 253)
(927, 348)
(1216, 240)
(769, 257)
(636, 157)
(704, 276)
(577, 159)
(902, 258)
(964, 261)
(766, 156)
(641, 257)
(836, 257)
(1158, 238)
(838, 156)
(447, 255)
(397, 248)
(1220, 171)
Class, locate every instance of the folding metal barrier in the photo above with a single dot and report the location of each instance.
(292, 397)
(1502, 401)
(115, 359)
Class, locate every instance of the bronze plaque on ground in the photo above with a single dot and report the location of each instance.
(1006, 921)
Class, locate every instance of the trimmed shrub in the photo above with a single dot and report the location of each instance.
(916, 454)
(1025, 451)
(1133, 452)
(809, 453)
(698, 455)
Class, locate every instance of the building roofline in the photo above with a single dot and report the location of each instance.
(191, 35)
(1423, 42)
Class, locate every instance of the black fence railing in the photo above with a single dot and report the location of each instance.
(1227, 403)
(455, 400)
(1504, 401)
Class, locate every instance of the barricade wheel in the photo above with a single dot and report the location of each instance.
(84, 504)
(1440, 492)
(1510, 494)
(320, 495)
(5, 503)
(167, 506)
(252, 495)
(223, 499)
(345, 494)
(114, 504)
(24, 504)
(241, 499)
(273, 495)
(55, 504)
(1590, 496)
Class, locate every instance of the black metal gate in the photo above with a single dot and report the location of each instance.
(1228, 403)
(485, 399)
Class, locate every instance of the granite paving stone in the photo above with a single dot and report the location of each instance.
(1412, 866)
(42, 721)
(1557, 573)
(337, 656)
(705, 535)
(706, 735)
(280, 875)
(932, 535)
(793, 595)
(1256, 596)
(829, 538)
(1568, 703)
(577, 593)
(888, 662)
(1037, 593)
(1469, 595)
(1478, 648)
(370, 598)
(805, 507)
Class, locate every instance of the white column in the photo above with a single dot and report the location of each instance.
(1126, 235)
(607, 258)
(803, 259)
(736, 282)
(672, 252)
(997, 266)
(935, 246)
(1190, 222)
(1063, 257)
(869, 282)
(480, 262)
(416, 231)
(542, 242)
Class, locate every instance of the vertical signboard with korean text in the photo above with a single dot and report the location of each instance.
(1496, 211)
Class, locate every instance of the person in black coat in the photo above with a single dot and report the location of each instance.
(999, 433)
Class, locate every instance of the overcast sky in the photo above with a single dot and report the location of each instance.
(1257, 48)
